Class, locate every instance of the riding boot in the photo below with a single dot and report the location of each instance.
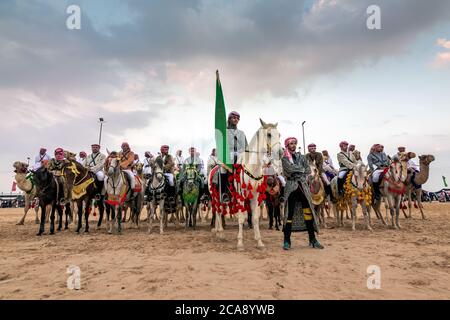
(287, 229)
(329, 192)
(376, 190)
(313, 242)
(340, 183)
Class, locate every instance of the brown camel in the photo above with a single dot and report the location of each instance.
(416, 180)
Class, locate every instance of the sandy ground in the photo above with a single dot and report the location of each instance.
(414, 262)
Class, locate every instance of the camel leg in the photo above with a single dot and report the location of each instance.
(353, 213)
(409, 205)
(366, 214)
(419, 203)
(397, 212)
(25, 211)
(241, 219)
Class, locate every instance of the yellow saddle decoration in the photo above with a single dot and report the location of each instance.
(80, 190)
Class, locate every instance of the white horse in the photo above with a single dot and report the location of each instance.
(264, 145)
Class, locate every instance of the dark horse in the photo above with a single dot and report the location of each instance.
(50, 192)
(273, 200)
(81, 183)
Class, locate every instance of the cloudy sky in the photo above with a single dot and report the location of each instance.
(148, 68)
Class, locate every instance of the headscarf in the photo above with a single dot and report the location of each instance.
(164, 147)
(287, 153)
(59, 154)
(343, 143)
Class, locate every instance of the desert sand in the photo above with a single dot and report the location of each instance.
(414, 262)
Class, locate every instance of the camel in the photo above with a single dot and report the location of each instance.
(416, 180)
(358, 190)
(318, 195)
(393, 188)
(25, 183)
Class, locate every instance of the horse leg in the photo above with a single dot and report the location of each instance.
(101, 211)
(270, 213)
(112, 219)
(80, 215)
(194, 223)
(219, 226)
(255, 220)
(68, 213)
(86, 215)
(36, 210)
(52, 218)
(42, 224)
(119, 219)
(162, 216)
(241, 219)
(187, 222)
(60, 215)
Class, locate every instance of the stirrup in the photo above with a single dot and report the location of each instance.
(286, 245)
(225, 198)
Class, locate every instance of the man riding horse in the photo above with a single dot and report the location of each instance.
(378, 162)
(192, 162)
(56, 167)
(316, 159)
(169, 166)
(347, 162)
(126, 160)
(95, 163)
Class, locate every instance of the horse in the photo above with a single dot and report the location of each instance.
(119, 192)
(318, 195)
(49, 190)
(156, 193)
(25, 183)
(249, 185)
(81, 183)
(191, 194)
(274, 201)
(135, 215)
(393, 187)
(357, 190)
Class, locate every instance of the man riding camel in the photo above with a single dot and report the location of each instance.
(296, 170)
(316, 159)
(378, 162)
(40, 158)
(347, 162)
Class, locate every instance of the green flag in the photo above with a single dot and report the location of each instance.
(445, 182)
(220, 124)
